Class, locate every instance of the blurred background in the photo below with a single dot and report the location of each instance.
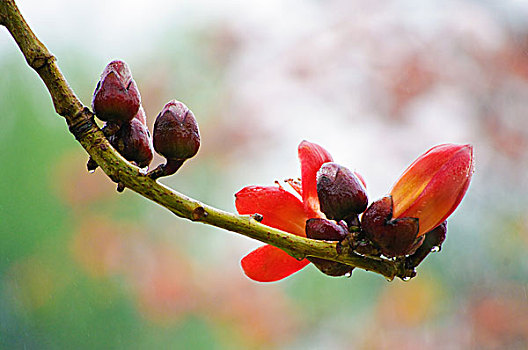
(375, 82)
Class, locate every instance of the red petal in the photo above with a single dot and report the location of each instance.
(445, 182)
(416, 177)
(269, 264)
(312, 156)
(280, 208)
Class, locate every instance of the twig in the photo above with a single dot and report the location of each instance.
(81, 124)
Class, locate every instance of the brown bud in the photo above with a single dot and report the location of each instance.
(133, 142)
(341, 193)
(415, 245)
(116, 98)
(176, 137)
(176, 134)
(322, 229)
(437, 235)
(395, 237)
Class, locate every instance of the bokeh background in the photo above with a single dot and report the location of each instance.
(375, 82)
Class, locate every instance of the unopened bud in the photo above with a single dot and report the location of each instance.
(395, 237)
(133, 142)
(341, 193)
(116, 98)
(322, 229)
(176, 137)
(432, 187)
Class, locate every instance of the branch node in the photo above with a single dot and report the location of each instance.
(39, 61)
(120, 187)
(115, 177)
(198, 213)
(110, 129)
(82, 123)
(257, 217)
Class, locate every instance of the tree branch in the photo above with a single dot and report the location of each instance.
(81, 124)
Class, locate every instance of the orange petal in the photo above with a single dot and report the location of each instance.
(269, 264)
(433, 186)
(312, 156)
(280, 208)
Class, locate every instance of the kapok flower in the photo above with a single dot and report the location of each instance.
(423, 197)
(283, 210)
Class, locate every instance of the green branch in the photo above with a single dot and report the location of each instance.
(81, 124)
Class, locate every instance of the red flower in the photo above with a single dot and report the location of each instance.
(283, 210)
(431, 188)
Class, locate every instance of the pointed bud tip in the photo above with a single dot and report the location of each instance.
(120, 68)
(468, 150)
(177, 110)
(467, 146)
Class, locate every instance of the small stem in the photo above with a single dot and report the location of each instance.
(110, 129)
(166, 169)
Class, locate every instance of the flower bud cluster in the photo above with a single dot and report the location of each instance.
(342, 197)
(117, 102)
(395, 225)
